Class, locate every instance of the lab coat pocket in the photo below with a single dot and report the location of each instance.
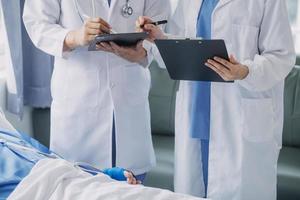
(245, 40)
(258, 122)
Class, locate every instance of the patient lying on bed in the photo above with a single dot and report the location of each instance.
(28, 170)
(19, 153)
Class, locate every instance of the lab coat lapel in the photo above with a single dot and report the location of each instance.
(112, 7)
(192, 19)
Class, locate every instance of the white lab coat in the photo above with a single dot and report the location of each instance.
(88, 87)
(246, 116)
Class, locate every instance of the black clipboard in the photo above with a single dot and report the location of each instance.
(121, 39)
(185, 59)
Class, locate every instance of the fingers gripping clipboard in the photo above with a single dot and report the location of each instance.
(185, 58)
(121, 39)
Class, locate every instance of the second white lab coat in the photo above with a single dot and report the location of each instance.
(246, 116)
(88, 87)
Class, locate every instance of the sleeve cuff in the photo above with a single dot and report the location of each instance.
(60, 44)
(149, 58)
(247, 82)
(66, 54)
(158, 58)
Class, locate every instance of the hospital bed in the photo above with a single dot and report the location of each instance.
(56, 178)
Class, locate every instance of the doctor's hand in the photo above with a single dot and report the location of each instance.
(154, 31)
(87, 33)
(136, 54)
(229, 70)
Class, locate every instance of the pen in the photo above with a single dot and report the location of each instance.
(156, 23)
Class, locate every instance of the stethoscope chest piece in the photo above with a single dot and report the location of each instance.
(127, 10)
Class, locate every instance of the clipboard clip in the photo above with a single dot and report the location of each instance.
(197, 39)
(178, 41)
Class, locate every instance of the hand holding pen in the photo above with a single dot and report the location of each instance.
(104, 27)
(155, 23)
(87, 33)
(146, 24)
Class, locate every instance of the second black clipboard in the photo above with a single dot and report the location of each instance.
(185, 59)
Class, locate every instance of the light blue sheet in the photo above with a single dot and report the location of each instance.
(18, 155)
(15, 164)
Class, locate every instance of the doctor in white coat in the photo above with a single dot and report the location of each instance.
(96, 92)
(246, 117)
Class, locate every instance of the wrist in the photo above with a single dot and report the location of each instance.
(244, 72)
(144, 60)
(71, 41)
(143, 55)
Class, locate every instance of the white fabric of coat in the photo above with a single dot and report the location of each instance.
(246, 116)
(89, 87)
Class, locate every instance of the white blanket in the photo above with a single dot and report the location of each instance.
(60, 180)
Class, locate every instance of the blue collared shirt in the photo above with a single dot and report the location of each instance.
(201, 91)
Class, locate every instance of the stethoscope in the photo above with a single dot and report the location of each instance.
(126, 11)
